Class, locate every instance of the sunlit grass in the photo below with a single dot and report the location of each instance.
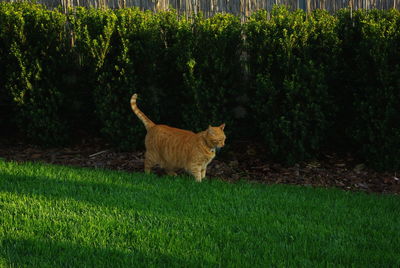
(62, 216)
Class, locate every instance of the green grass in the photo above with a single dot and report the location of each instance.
(62, 216)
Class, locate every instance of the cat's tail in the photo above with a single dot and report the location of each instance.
(146, 121)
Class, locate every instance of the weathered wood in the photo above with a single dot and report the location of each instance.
(244, 8)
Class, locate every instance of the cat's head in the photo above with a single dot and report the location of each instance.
(216, 136)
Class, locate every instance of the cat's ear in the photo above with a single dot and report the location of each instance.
(222, 126)
(210, 130)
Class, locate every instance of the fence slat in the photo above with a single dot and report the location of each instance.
(243, 8)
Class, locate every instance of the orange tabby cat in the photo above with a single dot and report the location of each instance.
(173, 148)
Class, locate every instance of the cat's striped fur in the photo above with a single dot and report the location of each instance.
(173, 148)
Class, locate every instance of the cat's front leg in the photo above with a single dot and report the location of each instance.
(204, 169)
(196, 172)
(203, 172)
(198, 176)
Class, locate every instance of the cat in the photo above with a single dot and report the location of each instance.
(173, 149)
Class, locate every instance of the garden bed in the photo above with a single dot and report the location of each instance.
(243, 161)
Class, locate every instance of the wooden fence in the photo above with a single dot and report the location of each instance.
(209, 7)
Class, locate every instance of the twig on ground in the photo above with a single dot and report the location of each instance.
(95, 154)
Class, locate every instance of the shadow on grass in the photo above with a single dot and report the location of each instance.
(42, 252)
(96, 193)
(153, 197)
(46, 253)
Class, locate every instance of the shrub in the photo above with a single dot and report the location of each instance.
(372, 56)
(10, 33)
(37, 53)
(290, 57)
(213, 73)
(301, 83)
(170, 63)
(140, 59)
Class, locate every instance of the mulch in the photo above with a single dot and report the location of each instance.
(242, 161)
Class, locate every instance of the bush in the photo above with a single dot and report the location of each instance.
(290, 59)
(10, 33)
(170, 63)
(36, 55)
(301, 83)
(213, 73)
(372, 77)
(142, 58)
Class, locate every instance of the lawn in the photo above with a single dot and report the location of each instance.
(63, 216)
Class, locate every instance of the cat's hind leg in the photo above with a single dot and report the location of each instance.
(169, 169)
(149, 163)
(170, 172)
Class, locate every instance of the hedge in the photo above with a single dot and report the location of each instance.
(302, 84)
(291, 59)
(371, 79)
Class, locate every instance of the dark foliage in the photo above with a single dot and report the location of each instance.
(301, 83)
